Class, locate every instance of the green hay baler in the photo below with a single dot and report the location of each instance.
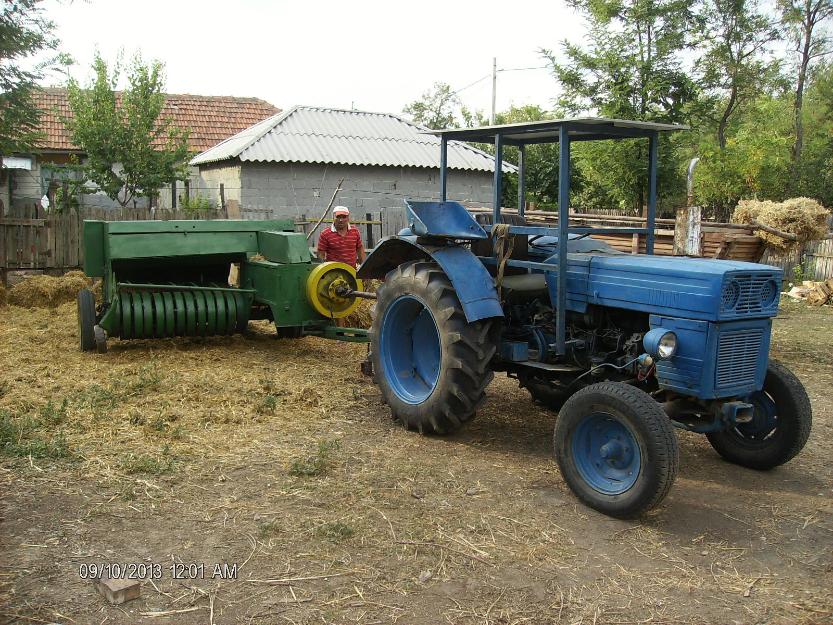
(171, 278)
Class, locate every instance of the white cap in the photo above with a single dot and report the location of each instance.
(341, 210)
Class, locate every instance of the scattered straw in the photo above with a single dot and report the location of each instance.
(803, 217)
(3, 295)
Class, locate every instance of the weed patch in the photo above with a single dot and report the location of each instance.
(316, 464)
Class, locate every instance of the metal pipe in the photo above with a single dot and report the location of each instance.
(180, 287)
(690, 179)
(563, 237)
(521, 180)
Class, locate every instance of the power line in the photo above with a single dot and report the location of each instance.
(523, 69)
(471, 85)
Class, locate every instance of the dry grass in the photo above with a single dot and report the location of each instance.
(803, 217)
(277, 455)
(47, 291)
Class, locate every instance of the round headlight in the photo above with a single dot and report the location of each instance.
(667, 346)
(660, 343)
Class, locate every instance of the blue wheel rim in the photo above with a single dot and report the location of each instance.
(409, 349)
(606, 454)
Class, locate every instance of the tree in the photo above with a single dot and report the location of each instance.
(24, 33)
(130, 150)
(633, 70)
(802, 18)
(438, 108)
(733, 70)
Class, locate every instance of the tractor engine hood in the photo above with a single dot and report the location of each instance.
(693, 288)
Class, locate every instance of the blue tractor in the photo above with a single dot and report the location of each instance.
(624, 347)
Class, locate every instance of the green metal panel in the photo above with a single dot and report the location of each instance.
(197, 226)
(283, 288)
(284, 247)
(94, 249)
(172, 244)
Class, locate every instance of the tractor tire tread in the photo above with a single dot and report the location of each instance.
(661, 438)
(465, 374)
(797, 435)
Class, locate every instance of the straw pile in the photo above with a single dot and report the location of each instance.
(48, 291)
(801, 216)
(362, 317)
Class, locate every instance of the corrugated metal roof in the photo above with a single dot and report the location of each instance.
(305, 134)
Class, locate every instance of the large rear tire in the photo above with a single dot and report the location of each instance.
(431, 365)
(616, 449)
(780, 425)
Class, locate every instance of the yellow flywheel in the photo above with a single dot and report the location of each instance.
(323, 285)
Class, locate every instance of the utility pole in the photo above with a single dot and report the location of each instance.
(494, 89)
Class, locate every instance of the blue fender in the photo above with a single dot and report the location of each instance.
(474, 286)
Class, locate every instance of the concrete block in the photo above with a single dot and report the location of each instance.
(118, 591)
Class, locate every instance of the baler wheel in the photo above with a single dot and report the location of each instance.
(86, 320)
(780, 425)
(616, 449)
(431, 365)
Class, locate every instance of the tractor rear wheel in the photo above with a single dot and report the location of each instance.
(616, 449)
(86, 320)
(430, 364)
(780, 424)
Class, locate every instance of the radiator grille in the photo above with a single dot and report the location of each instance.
(757, 293)
(737, 357)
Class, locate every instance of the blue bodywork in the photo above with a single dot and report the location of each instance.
(720, 310)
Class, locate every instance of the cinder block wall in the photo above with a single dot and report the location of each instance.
(293, 189)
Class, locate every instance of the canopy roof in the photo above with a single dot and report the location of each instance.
(579, 129)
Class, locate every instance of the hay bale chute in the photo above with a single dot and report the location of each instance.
(783, 226)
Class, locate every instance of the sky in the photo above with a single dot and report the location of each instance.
(368, 55)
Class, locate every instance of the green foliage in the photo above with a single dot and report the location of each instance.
(24, 33)
(25, 436)
(754, 163)
(335, 532)
(316, 464)
(798, 273)
(734, 68)
(632, 69)
(267, 405)
(196, 202)
(131, 151)
(159, 464)
(438, 108)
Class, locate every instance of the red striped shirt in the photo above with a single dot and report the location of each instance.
(342, 248)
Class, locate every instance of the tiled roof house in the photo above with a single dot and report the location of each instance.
(209, 119)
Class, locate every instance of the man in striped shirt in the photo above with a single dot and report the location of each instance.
(341, 242)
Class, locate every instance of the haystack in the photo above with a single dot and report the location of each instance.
(803, 217)
(48, 291)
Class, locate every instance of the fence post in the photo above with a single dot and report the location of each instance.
(222, 196)
(187, 200)
(369, 218)
(173, 194)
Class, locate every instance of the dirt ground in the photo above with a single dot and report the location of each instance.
(278, 457)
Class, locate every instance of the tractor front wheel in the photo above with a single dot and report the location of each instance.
(431, 365)
(616, 449)
(779, 428)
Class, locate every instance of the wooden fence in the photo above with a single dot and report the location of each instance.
(33, 240)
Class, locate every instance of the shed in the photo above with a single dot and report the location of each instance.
(291, 163)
